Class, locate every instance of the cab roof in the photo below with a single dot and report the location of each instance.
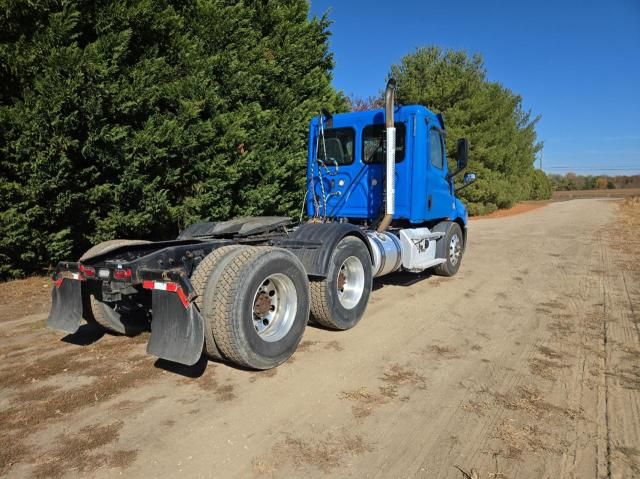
(401, 113)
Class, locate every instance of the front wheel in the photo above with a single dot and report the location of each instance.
(453, 251)
(339, 300)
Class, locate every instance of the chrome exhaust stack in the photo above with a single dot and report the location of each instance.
(390, 198)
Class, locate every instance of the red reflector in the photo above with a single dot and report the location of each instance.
(170, 287)
(183, 297)
(87, 271)
(122, 273)
(58, 282)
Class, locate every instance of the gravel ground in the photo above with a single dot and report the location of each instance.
(526, 364)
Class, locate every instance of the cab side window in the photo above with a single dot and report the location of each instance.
(373, 137)
(336, 146)
(436, 148)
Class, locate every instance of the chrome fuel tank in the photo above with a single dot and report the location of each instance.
(386, 249)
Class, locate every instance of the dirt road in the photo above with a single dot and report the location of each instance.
(527, 365)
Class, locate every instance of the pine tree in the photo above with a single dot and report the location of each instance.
(501, 133)
(134, 118)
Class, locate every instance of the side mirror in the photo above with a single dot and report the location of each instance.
(469, 178)
(462, 153)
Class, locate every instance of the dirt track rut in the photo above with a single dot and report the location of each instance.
(524, 365)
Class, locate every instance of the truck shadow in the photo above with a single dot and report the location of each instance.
(198, 369)
(86, 335)
(401, 278)
(194, 371)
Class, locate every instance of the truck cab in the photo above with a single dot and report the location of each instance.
(346, 168)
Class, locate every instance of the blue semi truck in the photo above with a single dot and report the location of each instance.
(380, 198)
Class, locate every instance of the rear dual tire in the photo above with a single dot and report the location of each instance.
(205, 278)
(340, 300)
(255, 305)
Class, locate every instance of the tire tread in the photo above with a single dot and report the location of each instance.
(443, 268)
(224, 330)
(321, 312)
(199, 280)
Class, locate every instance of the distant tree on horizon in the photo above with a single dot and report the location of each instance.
(364, 104)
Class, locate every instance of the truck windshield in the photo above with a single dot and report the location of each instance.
(337, 146)
(373, 137)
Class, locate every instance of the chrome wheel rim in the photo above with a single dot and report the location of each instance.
(350, 282)
(455, 249)
(274, 307)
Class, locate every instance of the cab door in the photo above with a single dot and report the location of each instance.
(439, 198)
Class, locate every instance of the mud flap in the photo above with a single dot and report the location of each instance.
(66, 306)
(177, 333)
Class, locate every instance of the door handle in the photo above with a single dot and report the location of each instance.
(429, 202)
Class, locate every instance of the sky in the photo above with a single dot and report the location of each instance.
(575, 63)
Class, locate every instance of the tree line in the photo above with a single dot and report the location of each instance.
(501, 132)
(571, 182)
(135, 118)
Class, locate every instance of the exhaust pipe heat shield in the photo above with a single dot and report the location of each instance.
(66, 306)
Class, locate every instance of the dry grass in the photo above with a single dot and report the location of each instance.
(333, 345)
(630, 456)
(268, 373)
(83, 452)
(359, 395)
(397, 375)
(478, 408)
(545, 368)
(24, 297)
(617, 193)
(560, 329)
(366, 401)
(209, 382)
(35, 405)
(550, 353)
(529, 400)
(626, 233)
(519, 439)
(305, 346)
(393, 377)
(445, 352)
(628, 377)
(325, 453)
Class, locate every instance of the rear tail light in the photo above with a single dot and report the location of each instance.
(122, 274)
(87, 271)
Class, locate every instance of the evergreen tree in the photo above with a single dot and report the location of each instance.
(501, 133)
(134, 118)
